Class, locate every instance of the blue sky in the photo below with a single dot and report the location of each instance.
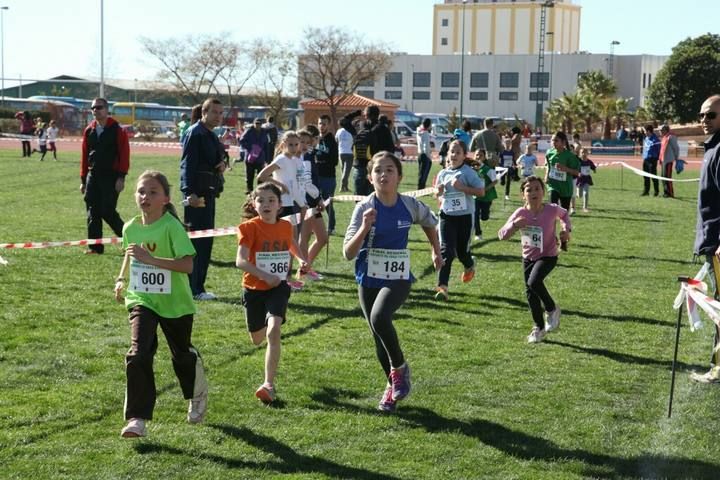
(44, 38)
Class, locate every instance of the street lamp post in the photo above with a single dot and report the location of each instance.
(552, 63)
(610, 59)
(412, 86)
(102, 49)
(2, 51)
(462, 61)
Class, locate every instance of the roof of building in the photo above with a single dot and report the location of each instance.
(353, 101)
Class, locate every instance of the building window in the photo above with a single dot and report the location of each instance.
(450, 79)
(449, 95)
(509, 79)
(368, 82)
(393, 94)
(479, 80)
(649, 79)
(443, 41)
(444, 22)
(544, 79)
(644, 80)
(421, 95)
(509, 96)
(393, 79)
(534, 96)
(421, 79)
(581, 75)
(366, 93)
(478, 95)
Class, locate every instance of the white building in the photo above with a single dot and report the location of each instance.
(504, 26)
(502, 85)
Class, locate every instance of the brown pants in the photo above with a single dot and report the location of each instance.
(140, 394)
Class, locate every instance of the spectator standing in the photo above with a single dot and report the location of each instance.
(255, 143)
(104, 163)
(650, 155)
(27, 127)
(326, 159)
(200, 168)
(344, 140)
(373, 137)
(487, 139)
(424, 153)
(271, 131)
(669, 153)
(183, 125)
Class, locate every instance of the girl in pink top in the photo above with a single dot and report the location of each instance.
(536, 223)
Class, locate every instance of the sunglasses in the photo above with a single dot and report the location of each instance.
(708, 115)
(97, 107)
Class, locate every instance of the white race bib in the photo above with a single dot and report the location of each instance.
(389, 264)
(507, 161)
(274, 263)
(146, 278)
(528, 171)
(454, 202)
(585, 171)
(556, 174)
(532, 236)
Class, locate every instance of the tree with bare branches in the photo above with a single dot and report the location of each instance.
(275, 81)
(333, 62)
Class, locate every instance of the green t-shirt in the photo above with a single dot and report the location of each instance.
(165, 292)
(561, 182)
(487, 173)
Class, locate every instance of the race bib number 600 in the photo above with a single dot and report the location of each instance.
(389, 264)
(274, 263)
(149, 279)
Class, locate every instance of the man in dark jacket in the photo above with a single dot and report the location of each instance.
(200, 168)
(255, 142)
(326, 159)
(707, 233)
(104, 163)
(374, 137)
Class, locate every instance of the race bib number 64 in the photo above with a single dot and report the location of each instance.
(532, 236)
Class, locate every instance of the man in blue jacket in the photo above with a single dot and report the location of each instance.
(651, 153)
(255, 142)
(707, 233)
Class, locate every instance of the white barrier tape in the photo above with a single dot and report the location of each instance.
(650, 175)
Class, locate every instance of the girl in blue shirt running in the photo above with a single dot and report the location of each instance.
(377, 238)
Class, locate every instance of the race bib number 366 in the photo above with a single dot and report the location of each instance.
(389, 264)
(274, 263)
(149, 279)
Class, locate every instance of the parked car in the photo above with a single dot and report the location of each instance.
(408, 118)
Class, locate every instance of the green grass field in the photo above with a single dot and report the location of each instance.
(589, 402)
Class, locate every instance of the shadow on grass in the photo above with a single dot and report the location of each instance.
(521, 445)
(620, 318)
(288, 461)
(223, 264)
(630, 219)
(626, 357)
(676, 261)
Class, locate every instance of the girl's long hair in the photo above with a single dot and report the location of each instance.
(249, 206)
(467, 161)
(286, 136)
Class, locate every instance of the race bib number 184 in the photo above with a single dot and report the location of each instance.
(389, 264)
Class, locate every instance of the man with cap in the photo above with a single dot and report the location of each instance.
(669, 153)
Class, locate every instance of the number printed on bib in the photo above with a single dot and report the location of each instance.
(274, 263)
(585, 171)
(532, 236)
(389, 264)
(149, 279)
(507, 161)
(454, 202)
(556, 174)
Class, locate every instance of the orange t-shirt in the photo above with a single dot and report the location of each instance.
(259, 236)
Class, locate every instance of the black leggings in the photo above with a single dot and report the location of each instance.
(378, 306)
(454, 240)
(562, 201)
(537, 294)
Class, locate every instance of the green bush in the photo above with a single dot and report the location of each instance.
(9, 125)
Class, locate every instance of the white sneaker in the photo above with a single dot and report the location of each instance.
(205, 296)
(507, 197)
(134, 428)
(536, 335)
(553, 320)
(478, 238)
(197, 408)
(711, 376)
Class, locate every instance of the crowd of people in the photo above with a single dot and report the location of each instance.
(164, 271)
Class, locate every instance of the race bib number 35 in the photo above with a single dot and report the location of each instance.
(149, 279)
(274, 263)
(454, 202)
(532, 236)
(389, 264)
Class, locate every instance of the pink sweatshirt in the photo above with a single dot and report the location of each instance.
(538, 237)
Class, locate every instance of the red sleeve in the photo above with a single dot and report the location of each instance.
(123, 163)
(84, 157)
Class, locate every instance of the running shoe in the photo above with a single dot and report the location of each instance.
(552, 320)
(197, 408)
(265, 393)
(400, 379)
(311, 275)
(478, 238)
(441, 293)
(295, 285)
(536, 335)
(134, 428)
(387, 404)
(711, 376)
(468, 274)
(203, 296)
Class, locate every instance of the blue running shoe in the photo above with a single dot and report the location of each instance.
(400, 378)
